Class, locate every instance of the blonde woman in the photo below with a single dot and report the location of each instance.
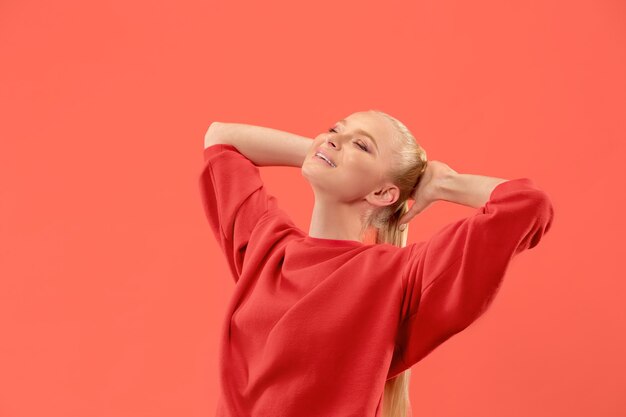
(329, 322)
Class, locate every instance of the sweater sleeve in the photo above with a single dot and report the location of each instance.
(451, 279)
(234, 200)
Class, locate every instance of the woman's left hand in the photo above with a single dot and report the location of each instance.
(427, 189)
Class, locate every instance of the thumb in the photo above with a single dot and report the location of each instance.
(412, 212)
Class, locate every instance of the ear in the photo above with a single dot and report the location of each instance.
(384, 196)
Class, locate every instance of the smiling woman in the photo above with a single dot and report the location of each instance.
(377, 163)
(330, 322)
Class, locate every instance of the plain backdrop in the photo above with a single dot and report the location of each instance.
(112, 287)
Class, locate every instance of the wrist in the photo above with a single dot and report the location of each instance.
(447, 186)
(468, 189)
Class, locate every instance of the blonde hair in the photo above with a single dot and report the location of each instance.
(409, 164)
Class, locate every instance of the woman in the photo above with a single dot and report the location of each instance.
(329, 322)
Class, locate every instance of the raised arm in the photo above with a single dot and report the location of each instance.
(441, 182)
(264, 146)
(451, 279)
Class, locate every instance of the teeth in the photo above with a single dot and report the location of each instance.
(324, 158)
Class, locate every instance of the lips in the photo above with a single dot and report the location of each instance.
(319, 150)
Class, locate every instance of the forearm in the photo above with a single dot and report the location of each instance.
(468, 189)
(264, 146)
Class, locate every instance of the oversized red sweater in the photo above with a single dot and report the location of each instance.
(316, 326)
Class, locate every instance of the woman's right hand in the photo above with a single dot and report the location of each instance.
(427, 189)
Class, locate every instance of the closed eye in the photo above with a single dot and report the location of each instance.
(364, 147)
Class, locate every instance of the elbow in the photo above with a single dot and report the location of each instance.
(543, 209)
(213, 135)
(541, 216)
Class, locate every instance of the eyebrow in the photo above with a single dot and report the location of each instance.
(362, 132)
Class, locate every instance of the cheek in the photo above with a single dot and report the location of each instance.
(361, 176)
(363, 169)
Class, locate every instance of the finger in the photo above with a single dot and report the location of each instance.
(412, 212)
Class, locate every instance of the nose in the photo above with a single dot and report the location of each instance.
(334, 142)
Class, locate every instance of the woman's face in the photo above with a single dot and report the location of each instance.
(361, 149)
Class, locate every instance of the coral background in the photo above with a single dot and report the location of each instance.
(112, 287)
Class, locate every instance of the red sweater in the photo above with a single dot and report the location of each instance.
(316, 326)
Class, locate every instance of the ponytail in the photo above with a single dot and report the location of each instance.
(410, 162)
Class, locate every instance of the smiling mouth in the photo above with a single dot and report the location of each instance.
(322, 157)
